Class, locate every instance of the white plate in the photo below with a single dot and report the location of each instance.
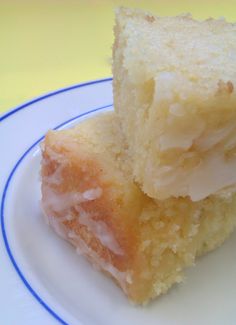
(42, 280)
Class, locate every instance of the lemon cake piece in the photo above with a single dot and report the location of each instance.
(175, 92)
(90, 199)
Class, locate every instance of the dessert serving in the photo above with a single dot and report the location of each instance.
(91, 200)
(174, 90)
(144, 190)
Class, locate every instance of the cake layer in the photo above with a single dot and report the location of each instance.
(174, 90)
(91, 200)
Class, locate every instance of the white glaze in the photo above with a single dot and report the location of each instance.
(100, 231)
(64, 202)
(83, 249)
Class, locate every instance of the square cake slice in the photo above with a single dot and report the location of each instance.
(175, 92)
(90, 199)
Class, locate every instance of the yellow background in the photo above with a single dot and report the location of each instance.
(46, 45)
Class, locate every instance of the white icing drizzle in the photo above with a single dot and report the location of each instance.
(59, 228)
(83, 249)
(92, 194)
(100, 230)
(56, 177)
(63, 202)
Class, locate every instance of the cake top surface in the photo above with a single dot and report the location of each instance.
(96, 136)
(203, 52)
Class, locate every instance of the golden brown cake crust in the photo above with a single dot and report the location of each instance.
(81, 172)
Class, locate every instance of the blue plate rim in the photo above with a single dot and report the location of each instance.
(11, 174)
(50, 94)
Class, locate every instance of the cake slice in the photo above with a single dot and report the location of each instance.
(175, 93)
(90, 199)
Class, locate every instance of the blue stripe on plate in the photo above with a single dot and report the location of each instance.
(59, 91)
(3, 229)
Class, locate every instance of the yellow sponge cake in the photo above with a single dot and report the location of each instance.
(175, 93)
